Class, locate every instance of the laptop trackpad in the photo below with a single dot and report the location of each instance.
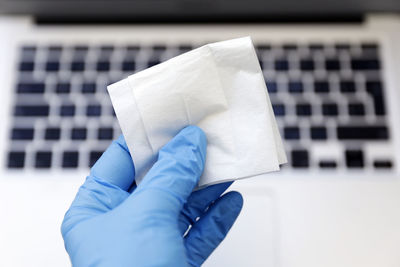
(252, 241)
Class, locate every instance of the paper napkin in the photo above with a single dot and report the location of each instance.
(218, 87)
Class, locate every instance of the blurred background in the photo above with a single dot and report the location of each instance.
(332, 73)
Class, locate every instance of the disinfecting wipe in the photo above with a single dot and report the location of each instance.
(220, 88)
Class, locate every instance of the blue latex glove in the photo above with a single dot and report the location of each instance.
(107, 225)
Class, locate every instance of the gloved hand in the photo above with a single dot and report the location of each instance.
(107, 225)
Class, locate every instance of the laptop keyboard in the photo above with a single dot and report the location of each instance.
(322, 94)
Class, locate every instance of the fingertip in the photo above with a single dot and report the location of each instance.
(196, 136)
(115, 165)
(179, 165)
(232, 201)
(196, 130)
(188, 146)
(236, 200)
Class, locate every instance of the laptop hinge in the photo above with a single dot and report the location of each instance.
(273, 19)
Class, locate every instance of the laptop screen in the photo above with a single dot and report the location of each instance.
(198, 10)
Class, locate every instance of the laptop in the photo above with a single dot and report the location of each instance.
(332, 72)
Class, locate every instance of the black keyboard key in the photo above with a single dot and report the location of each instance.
(93, 111)
(316, 47)
(88, 88)
(77, 66)
(184, 48)
(133, 48)
(374, 88)
(159, 48)
(383, 164)
(26, 66)
(365, 64)
(291, 133)
(272, 87)
(70, 159)
(30, 88)
(94, 156)
(379, 105)
(107, 48)
(103, 66)
(52, 134)
(16, 159)
(321, 87)
(327, 164)
(81, 48)
(332, 64)
(55, 48)
(354, 158)
(67, 110)
(362, 132)
(128, 65)
(43, 159)
(330, 109)
(356, 109)
(295, 87)
(52, 66)
(289, 47)
(370, 45)
(279, 109)
(318, 133)
(370, 50)
(105, 133)
(153, 62)
(31, 111)
(347, 87)
(63, 88)
(263, 47)
(307, 65)
(281, 65)
(300, 159)
(303, 110)
(78, 133)
(342, 46)
(22, 134)
(29, 48)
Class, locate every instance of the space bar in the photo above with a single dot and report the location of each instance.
(362, 132)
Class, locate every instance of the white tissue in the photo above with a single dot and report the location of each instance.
(218, 87)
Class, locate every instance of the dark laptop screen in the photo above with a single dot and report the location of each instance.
(198, 10)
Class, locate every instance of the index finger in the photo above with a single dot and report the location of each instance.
(115, 165)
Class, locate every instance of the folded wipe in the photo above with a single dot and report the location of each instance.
(218, 87)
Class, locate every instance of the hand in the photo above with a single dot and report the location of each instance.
(107, 225)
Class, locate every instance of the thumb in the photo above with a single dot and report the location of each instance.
(177, 171)
(212, 227)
